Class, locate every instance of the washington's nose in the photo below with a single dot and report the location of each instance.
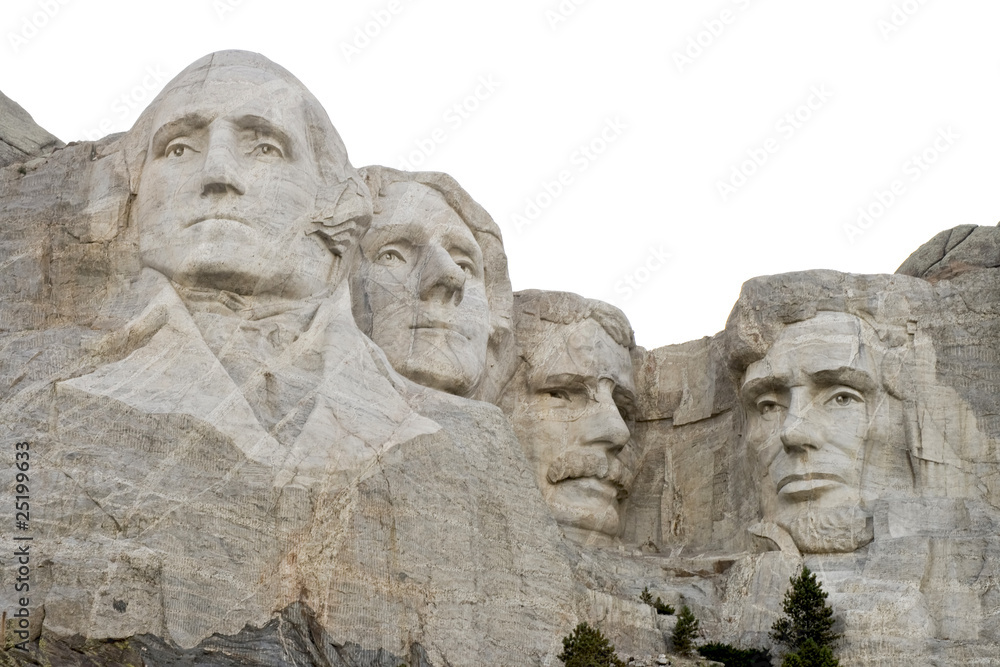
(605, 423)
(220, 174)
(797, 430)
(441, 278)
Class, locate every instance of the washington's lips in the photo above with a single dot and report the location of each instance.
(220, 218)
(808, 481)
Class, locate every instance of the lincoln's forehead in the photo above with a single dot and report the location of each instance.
(827, 343)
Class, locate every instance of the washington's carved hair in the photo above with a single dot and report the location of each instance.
(343, 203)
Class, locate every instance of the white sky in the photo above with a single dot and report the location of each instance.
(678, 129)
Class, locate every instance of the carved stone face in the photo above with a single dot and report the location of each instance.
(811, 403)
(228, 188)
(421, 274)
(572, 421)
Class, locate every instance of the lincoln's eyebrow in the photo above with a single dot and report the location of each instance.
(850, 377)
(174, 128)
(267, 128)
(757, 386)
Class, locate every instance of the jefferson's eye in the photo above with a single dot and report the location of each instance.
(390, 257)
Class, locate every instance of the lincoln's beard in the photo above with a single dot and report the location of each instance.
(829, 530)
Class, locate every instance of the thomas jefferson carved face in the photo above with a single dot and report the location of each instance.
(422, 277)
(572, 418)
(815, 406)
(229, 186)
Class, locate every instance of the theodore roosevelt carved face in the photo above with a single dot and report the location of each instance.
(572, 405)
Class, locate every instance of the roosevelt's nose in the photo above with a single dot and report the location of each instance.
(220, 172)
(441, 278)
(798, 430)
(605, 424)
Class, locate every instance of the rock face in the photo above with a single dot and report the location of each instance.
(20, 138)
(260, 407)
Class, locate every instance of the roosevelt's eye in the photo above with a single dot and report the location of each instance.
(561, 394)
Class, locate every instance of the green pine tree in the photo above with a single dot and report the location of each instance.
(685, 632)
(588, 647)
(806, 627)
(811, 654)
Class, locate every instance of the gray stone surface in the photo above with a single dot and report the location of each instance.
(224, 469)
(20, 137)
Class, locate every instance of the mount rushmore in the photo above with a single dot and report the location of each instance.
(257, 400)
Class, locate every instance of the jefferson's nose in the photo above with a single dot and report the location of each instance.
(441, 278)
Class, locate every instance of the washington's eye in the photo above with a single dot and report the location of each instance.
(177, 149)
(844, 399)
(268, 150)
(767, 407)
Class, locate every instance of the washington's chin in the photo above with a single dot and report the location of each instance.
(448, 368)
(585, 506)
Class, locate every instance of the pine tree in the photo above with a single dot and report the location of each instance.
(685, 632)
(806, 627)
(811, 654)
(588, 647)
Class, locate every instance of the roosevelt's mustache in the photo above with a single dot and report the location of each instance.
(576, 464)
